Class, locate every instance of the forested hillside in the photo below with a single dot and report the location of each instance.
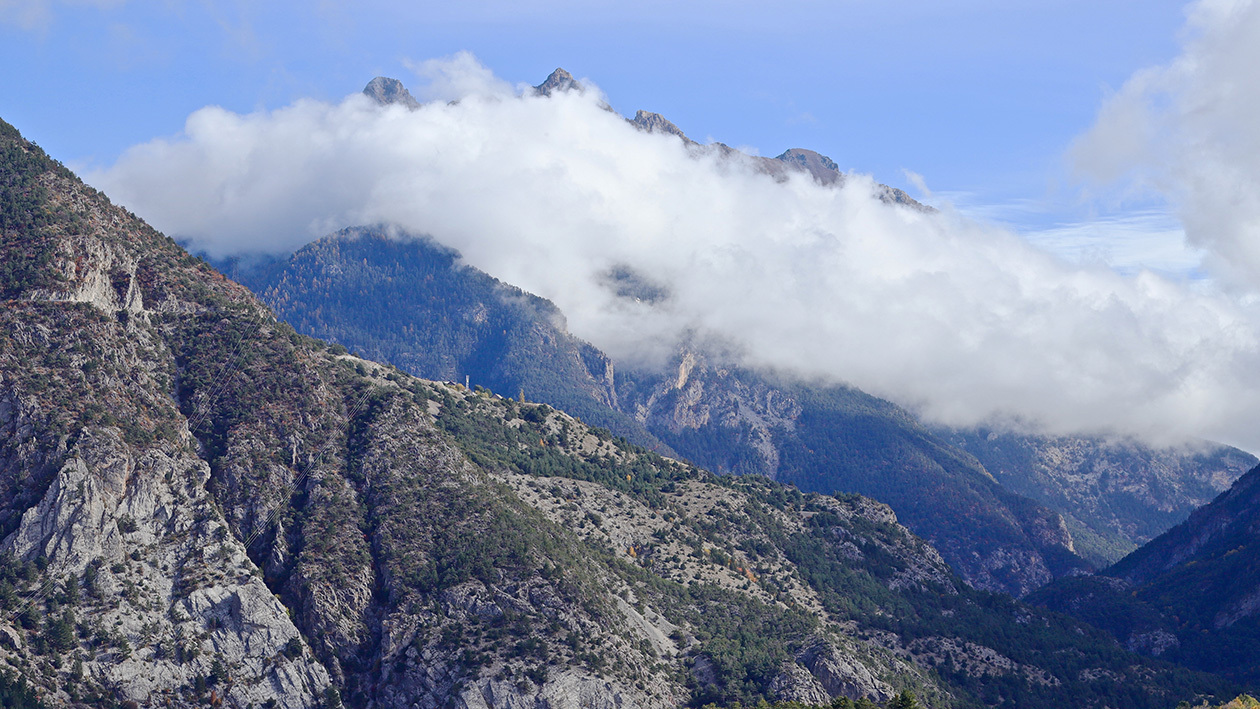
(1192, 595)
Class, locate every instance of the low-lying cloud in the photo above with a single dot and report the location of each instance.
(965, 322)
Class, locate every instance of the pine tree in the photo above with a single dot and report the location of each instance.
(60, 632)
(904, 700)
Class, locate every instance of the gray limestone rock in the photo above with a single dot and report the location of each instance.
(387, 92)
(559, 81)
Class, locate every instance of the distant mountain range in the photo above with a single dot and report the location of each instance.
(203, 507)
(1115, 495)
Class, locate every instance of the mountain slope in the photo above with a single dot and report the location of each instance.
(1115, 494)
(206, 507)
(411, 303)
(1192, 595)
(406, 301)
(835, 438)
(114, 555)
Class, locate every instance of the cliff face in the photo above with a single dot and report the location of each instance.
(204, 506)
(120, 577)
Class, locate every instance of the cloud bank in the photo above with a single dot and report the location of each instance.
(964, 322)
(1187, 131)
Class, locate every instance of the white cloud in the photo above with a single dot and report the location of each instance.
(964, 321)
(1188, 131)
(457, 77)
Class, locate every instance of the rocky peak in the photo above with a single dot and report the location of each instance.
(560, 80)
(824, 169)
(387, 91)
(656, 123)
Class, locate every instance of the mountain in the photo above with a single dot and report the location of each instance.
(558, 81)
(387, 91)
(1192, 595)
(204, 507)
(409, 302)
(838, 438)
(1115, 494)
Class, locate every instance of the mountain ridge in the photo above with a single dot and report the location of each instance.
(1190, 594)
(207, 507)
(722, 417)
(388, 91)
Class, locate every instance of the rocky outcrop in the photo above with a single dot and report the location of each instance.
(823, 169)
(558, 81)
(840, 676)
(387, 92)
(134, 550)
(649, 122)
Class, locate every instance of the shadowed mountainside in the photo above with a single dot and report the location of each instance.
(1192, 595)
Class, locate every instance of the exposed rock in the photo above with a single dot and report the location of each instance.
(388, 92)
(559, 81)
(187, 596)
(649, 122)
(823, 169)
(796, 684)
(1153, 643)
(841, 676)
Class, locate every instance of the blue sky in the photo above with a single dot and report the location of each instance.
(980, 97)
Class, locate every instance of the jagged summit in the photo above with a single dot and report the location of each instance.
(560, 80)
(824, 169)
(386, 91)
(656, 123)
